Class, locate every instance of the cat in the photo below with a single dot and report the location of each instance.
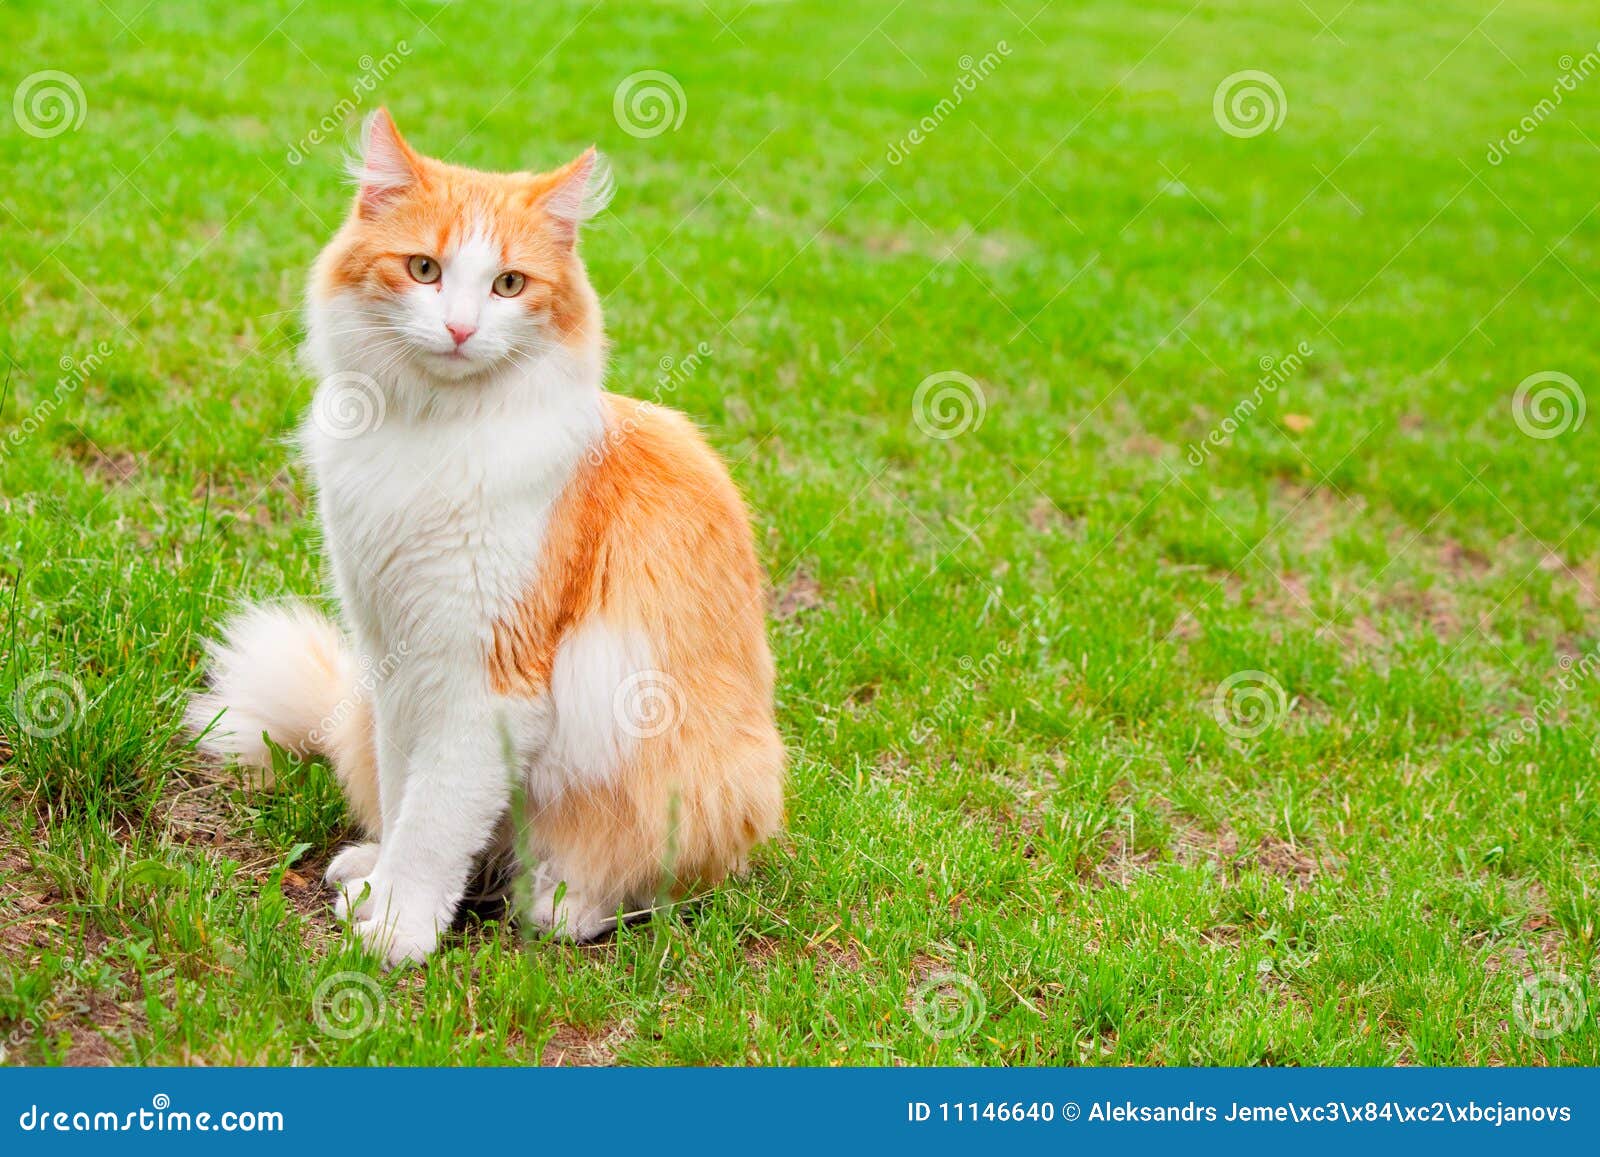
(556, 640)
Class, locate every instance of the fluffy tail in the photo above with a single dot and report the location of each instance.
(286, 671)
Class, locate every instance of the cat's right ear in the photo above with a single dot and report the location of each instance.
(387, 165)
(579, 190)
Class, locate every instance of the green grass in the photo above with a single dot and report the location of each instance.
(997, 652)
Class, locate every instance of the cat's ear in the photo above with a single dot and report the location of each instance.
(574, 193)
(387, 165)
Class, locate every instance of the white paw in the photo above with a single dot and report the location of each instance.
(353, 896)
(576, 915)
(397, 942)
(392, 924)
(352, 862)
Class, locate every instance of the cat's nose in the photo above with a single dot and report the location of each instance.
(461, 332)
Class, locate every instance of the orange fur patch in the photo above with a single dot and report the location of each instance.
(653, 536)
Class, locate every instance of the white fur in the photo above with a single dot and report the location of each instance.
(588, 741)
(279, 670)
(382, 166)
(588, 194)
(568, 908)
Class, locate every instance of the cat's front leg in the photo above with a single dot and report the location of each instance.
(456, 789)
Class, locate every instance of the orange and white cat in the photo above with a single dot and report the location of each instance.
(541, 581)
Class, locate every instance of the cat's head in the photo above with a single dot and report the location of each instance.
(453, 274)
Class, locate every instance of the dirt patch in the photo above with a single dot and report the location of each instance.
(1184, 628)
(760, 951)
(116, 467)
(1361, 632)
(571, 1046)
(1435, 607)
(247, 502)
(835, 955)
(1294, 864)
(21, 907)
(983, 248)
(1537, 950)
(1312, 515)
(1428, 580)
(1194, 843)
(203, 814)
(802, 593)
(1288, 861)
(1046, 517)
(1535, 947)
(1462, 562)
(1582, 578)
(1288, 601)
(93, 1022)
(97, 1029)
(1144, 445)
(925, 968)
(1120, 863)
(1191, 843)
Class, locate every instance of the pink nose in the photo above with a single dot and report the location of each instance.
(461, 332)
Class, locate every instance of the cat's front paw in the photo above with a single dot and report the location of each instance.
(353, 862)
(568, 912)
(392, 924)
(398, 941)
(351, 899)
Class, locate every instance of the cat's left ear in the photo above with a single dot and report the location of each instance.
(387, 165)
(576, 192)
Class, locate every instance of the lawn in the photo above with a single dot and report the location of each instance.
(1183, 554)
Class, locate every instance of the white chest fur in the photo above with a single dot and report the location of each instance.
(434, 524)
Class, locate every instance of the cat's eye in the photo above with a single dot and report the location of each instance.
(423, 269)
(509, 283)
